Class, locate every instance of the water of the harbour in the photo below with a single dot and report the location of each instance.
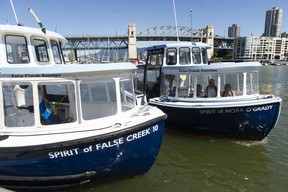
(191, 163)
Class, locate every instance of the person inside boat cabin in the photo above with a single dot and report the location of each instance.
(171, 60)
(172, 92)
(228, 91)
(199, 91)
(211, 89)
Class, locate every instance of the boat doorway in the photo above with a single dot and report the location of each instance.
(153, 73)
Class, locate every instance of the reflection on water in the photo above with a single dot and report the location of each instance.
(190, 163)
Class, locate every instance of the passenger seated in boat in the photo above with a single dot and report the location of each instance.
(211, 89)
(228, 91)
(199, 91)
(171, 92)
(171, 61)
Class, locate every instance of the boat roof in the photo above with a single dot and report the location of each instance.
(28, 31)
(70, 69)
(180, 44)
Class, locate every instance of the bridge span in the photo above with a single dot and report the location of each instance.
(152, 34)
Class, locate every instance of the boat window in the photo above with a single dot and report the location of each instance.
(155, 58)
(252, 83)
(204, 55)
(127, 95)
(184, 57)
(209, 84)
(139, 80)
(98, 100)
(183, 86)
(233, 82)
(56, 52)
(41, 51)
(196, 55)
(171, 56)
(57, 103)
(16, 49)
(18, 104)
(170, 84)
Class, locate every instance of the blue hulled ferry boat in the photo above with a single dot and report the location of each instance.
(218, 99)
(68, 124)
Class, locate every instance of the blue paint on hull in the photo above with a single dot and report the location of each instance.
(251, 123)
(120, 155)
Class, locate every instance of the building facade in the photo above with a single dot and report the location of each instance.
(261, 48)
(234, 31)
(273, 22)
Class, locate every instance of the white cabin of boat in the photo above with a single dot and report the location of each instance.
(30, 47)
(39, 91)
(180, 71)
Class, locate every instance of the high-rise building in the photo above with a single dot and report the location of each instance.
(261, 48)
(234, 31)
(273, 22)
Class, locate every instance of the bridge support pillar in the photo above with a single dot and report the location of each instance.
(132, 43)
(209, 33)
(210, 39)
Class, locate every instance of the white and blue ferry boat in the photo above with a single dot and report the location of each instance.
(217, 99)
(68, 124)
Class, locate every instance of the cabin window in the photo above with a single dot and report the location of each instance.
(16, 49)
(56, 52)
(155, 58)
(184, 56)
(183, 86)
(40, 48)
(209, 85)
(171, 56)
(196, 55)
(170, 84)
(252, 83)
(57, 103)
(98, 100)
(232, 84)
(139, 80)
(18, 104)
(204, 56)
(127, 95)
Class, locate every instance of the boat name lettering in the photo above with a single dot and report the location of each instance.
(64, 153)
(235, 110)
(196, 70)
(260, 108)
(104, 145)
(34, 75)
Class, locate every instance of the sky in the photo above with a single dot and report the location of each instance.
(111, 17)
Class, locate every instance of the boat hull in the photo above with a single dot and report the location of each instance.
(248, 122)
(121, 154)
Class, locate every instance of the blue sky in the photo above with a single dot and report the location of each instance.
(110, 17)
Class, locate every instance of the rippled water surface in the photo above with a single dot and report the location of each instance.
(190, 163)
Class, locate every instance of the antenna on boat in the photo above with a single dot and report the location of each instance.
(176, 21)
(15, 15)
(38, 20)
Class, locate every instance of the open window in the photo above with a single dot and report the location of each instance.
(57, 103)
